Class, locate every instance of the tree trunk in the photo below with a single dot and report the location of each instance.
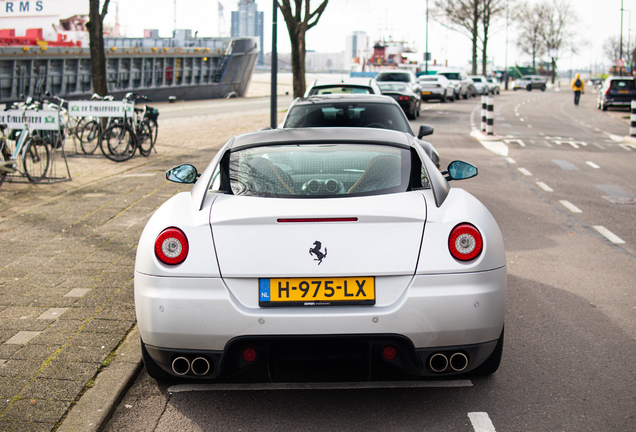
(553, 70)
(298, 64)
(475, 32)
(96, 37)
(484, 52)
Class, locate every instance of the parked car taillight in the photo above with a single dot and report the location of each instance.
(465, 242)
(171, 246)
(607, 92)
(406, 98)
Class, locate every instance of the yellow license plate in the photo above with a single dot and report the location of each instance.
(623, 91)
(426, 93)
(317, 291)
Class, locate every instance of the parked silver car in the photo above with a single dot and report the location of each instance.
(494, 86)
(482, 86)
(464, 85)
(436, 87)
(530, 82)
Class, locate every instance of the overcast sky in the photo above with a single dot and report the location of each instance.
(400, 19)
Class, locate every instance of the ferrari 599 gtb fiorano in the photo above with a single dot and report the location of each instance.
(328, 245)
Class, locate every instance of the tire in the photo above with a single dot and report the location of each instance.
(144, 138)
(514, 89)
(118, 142)
(417, 109)
(89, 136)
(603, 106)
(443, 99)
(466, 95)
(452, 98)
(529, 88)
(498, 91)
(153, 369)
(36, 158)
(543, 88)
(411, 115)
(492, 363)
(155, 130)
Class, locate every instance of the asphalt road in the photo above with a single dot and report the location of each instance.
(569, 349)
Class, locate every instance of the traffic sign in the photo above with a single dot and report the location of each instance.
(620, 63)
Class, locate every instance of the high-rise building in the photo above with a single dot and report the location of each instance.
(357, 44)
(248, 21)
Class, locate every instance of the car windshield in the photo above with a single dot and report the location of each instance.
(340, 89)
(347, 114)
(392, 87)
(451, 75)
(477, 79)
(315, 170)
(393, 76)
(622, 85)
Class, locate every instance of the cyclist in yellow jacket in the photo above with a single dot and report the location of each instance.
(578, 87)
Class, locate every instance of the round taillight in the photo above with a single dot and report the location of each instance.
(171, 247)
(465, 242)
(389, 353)
(249, 354)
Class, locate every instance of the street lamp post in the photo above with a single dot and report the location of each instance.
(426, 53)
(620, 44)
(506, 62)
(274, 89)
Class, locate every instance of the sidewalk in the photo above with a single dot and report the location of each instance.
(66, 270)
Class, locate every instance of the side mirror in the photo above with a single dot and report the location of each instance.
(183, 174)
(425, 130)
(460, 170)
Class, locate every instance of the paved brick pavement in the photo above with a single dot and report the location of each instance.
(66, 266)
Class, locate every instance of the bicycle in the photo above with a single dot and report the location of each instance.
(32, 150)
(91, 130)
(123, 137)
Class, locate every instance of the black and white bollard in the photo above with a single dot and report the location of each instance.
(632, 124)
(490, 116)
(484, 103)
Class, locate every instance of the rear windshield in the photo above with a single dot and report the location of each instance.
(321, 171)
(622, 85)
(340, 89)
(451, 75)
(348, 114)
(392, 87)
(388, 76)
(477, 79)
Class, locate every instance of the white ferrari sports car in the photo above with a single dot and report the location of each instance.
(321, 246)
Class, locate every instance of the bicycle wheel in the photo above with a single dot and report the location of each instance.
(118, 142)
(144, 137)
(89, 136)
(36, 157)
(154, 127)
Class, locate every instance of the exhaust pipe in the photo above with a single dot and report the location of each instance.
(458, 362)
(180, 365)
(200, 366)
(438, 362)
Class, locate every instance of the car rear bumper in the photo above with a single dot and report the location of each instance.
(433, 93)
(618, 102)
(432, 311)
(322, 357)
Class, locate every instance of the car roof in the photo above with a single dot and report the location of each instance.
(621, 78)
(344, 80)
(332, 98)
(322, 135)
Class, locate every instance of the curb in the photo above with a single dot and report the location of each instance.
(95, 407)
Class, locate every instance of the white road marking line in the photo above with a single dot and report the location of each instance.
(530, 126)
(481, 422)
(180, 388)
(524, 171)
(592, 164)
(511, 160)
(627, 146)
(547, 143)
(518, 141)
(522, 119)
(545, 187)
(608, 234)
(616, 138)
(599, 146)
(568, 205)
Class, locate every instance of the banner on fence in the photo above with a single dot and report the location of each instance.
(99, 109)
(35, 120)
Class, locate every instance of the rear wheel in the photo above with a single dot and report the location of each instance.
(603, 106)
(118, 142)
(36, 157)
(5, 157)
(543, 88)
(144, 138)
(492, 363)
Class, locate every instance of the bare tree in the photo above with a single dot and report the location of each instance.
(465, 15)
(611, 48)
(530, 40)
(490, 11)
(558, 21)
(299, 19)
(96, 38)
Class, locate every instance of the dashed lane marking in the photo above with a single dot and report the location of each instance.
(524, 171)
(518, 141)
(592, 164)
(180, 388)
(598, 145)
(568, 205)
(627, 146)
(511, 160)
(481, 422)
(608, 234)
(545, 187)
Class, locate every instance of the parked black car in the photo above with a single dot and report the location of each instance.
(404, 94)
(369, 111)
(615, 91)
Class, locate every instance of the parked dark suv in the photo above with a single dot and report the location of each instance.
(615, 91)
